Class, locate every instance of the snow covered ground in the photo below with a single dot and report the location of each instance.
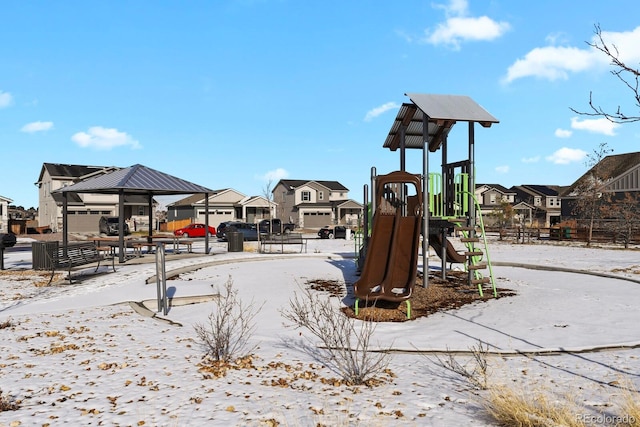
(87, 354)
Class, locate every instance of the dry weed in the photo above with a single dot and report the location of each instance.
(512, 407)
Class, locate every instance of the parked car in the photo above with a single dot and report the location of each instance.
(275, 226)
(250, 231)
(222, 227)
(109, 225)
(194, 230)
(338, 232)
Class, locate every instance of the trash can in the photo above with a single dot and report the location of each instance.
(39, 251)
(235, 241)
(566, 232)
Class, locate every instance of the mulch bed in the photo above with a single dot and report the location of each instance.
(439, 295)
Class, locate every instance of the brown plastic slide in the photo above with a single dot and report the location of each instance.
(391, 263)
(435, 241)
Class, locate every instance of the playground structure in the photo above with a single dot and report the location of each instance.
(406, 206)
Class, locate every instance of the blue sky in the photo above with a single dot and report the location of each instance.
(232, 93)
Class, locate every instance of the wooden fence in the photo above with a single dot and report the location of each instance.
(578, 234)
(174, 225)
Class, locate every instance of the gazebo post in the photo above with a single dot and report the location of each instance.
(121, 257)
(65, 221)
(150, 227)
(206, 223)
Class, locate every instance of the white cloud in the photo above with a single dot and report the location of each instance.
(563, 133)
(375, 112)
(454, 7)
(625, 42)
(104, 138)
(552, 63)
(459, 27)
(566, 155)
(5, 99)
(37, 127)
(534, 159)
(502, 169)
(275, 175)
(600, 125)
(557, 62)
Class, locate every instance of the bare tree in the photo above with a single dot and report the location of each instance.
(267, 192)
(626, 74)
(503, 215)
(588, 192)
(623, 216)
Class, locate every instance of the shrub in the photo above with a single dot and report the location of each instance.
(230, 326)
(346, 346)
(478, 374)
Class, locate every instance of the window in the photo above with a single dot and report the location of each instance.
(306, 196)
(320, 195)
(140, 210)
(492, 198)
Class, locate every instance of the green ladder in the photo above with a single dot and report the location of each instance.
(474, 253)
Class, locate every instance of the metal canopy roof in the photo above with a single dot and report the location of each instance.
(442, 111)
(136, 179)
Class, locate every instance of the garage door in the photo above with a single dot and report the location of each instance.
(316, 219)
(83, 222)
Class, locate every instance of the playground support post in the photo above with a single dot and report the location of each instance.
(472, 185)
(425, 201)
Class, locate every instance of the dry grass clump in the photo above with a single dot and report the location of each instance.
(511, 407)
(7, 403)
(630, 408)
(6, 324)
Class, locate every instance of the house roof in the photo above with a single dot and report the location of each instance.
(608, 168)
(441, 111)
(198, 199)
(545, 190)
(349, 204)
(295, 183)
(500, 188)
(136, 179)
(59, 170)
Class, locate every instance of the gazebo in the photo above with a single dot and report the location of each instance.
(135, 180)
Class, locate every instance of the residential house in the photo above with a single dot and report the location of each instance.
(615, 174)
(312, 204)
(84, 210)
(490, 198)
(4, 214)
(542, 203)
(224, 205)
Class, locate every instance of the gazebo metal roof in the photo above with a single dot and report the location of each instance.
(136, 179)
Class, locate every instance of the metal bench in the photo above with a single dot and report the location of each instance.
(76, 255)
(281, 240)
